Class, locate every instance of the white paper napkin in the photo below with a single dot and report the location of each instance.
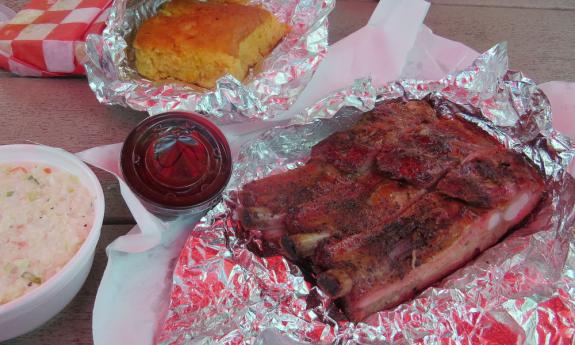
(432, 57)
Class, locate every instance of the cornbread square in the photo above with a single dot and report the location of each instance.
(199, 42)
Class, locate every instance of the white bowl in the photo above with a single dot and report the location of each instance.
(34, 308)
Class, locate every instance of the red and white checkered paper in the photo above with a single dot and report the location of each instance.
(46, 38)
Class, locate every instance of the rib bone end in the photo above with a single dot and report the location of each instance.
(336, 283)
(302, 245)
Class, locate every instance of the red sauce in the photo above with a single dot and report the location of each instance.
(176, 163)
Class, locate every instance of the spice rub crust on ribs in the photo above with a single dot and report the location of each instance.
(386, 208)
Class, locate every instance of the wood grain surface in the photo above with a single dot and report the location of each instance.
(541, 41)
(65, 113)
(532, 4)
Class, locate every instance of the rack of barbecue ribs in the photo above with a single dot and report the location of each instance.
(386, 208)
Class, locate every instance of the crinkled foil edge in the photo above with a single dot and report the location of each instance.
(275, 85)
(520, 291)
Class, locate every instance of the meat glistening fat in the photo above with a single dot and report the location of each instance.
(386, 208)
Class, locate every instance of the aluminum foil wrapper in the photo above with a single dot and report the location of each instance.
(270, 87)
(520, 291)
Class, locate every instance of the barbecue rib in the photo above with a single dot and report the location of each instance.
(370, 205)
(265, 203)
(395, 203)
(353, 151)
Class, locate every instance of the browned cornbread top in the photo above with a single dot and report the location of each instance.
(185, 24)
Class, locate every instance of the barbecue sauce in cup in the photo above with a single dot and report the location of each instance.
(176, 163)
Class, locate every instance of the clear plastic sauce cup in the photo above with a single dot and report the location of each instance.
(176, 163)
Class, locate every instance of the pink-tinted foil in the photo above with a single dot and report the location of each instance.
(270, 88)
(522, 291)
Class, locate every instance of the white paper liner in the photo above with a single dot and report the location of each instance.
(131, 303)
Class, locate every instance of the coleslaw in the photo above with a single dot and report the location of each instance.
(45, 216)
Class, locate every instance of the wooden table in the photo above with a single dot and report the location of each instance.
(64, 112)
